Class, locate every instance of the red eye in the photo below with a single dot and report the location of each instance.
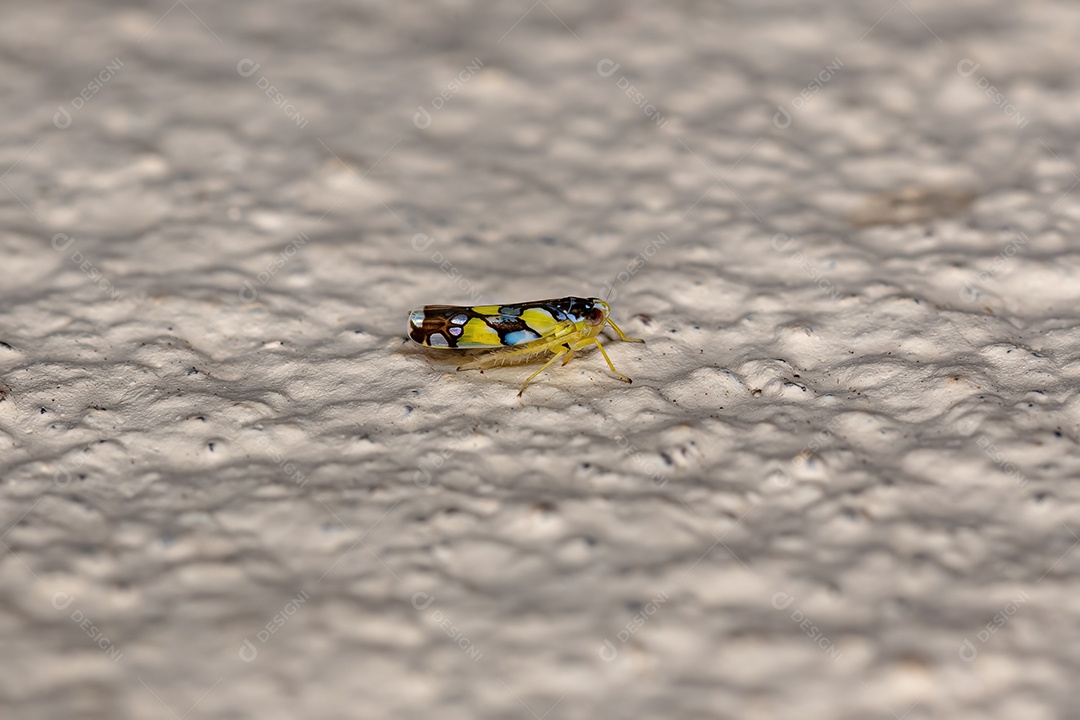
(595, 316)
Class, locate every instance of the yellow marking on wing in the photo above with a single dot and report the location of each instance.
(486, 309)
(564, 332)
(540, 321)
(476, 333)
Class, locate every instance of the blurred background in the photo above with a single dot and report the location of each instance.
(841, 485)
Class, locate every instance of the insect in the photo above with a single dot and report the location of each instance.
(517, 333)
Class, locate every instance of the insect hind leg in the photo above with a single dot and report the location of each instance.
(509, 356)
(593, 341)
(562, 351)
(569, 353)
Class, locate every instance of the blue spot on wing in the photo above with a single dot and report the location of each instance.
(520, 336)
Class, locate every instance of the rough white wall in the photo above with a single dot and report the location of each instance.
(842, 485)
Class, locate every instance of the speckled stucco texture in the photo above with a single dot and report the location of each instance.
(843, 483)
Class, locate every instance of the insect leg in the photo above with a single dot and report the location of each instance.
(484, 362)
(511, 355)
(545, 366)
(622, 335)
(594, 341)
(569, 354)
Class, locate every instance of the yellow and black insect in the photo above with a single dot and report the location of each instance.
(517, 333)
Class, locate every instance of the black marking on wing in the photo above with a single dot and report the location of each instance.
(437, 318)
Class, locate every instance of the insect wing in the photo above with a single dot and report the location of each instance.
(487, 326)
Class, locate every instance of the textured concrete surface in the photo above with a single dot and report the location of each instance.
(842, 485)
